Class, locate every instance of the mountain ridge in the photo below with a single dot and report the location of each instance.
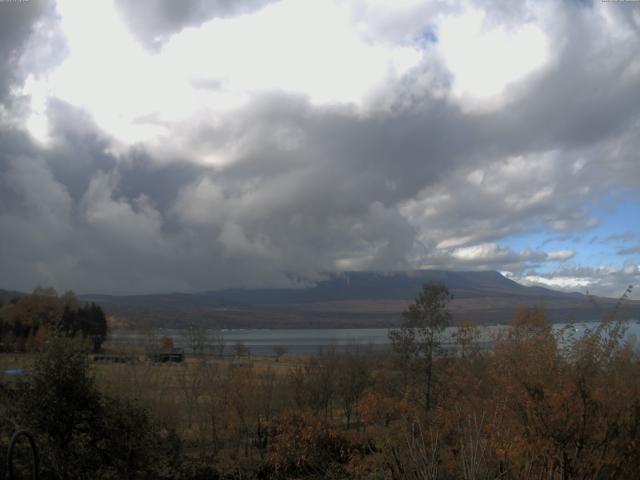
(353, 299)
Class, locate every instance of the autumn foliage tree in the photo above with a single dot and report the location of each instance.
(26, 321)
(304, 446)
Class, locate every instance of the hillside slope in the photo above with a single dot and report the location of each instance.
(356, 299)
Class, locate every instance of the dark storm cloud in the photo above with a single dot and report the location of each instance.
(31, 41)
(415, 181)
(13, 144)
(161, 183)
(87, 231)
(357, 159)
(17, 20)
(78, 150)
(154, 21)
(74, 208)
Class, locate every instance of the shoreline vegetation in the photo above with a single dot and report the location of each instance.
(542, 403)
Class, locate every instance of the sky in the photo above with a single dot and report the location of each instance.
(163, 146)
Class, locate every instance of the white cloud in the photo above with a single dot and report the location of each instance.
(309, 48)
(558, 282)
(608, 280)
(485, 59)
(483, 252)
(491, 253)
(561, 255)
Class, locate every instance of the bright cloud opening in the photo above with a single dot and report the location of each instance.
(306, 48)
(485, 61)
(557, 282)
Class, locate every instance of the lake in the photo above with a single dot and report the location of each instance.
(307, 341)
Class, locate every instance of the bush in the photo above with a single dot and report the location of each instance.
(83, 434)
(304, 446)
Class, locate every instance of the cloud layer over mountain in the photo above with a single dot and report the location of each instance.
(161, 146)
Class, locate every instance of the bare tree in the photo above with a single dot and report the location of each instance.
(466, 338)
(240, 349)
(197, 338)
(216, 344)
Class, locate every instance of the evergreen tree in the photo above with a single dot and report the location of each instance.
(418, 338)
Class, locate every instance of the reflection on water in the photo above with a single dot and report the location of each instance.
(309, 341)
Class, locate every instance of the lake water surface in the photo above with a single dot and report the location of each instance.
(309, 341)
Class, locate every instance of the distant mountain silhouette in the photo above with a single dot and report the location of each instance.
(351, 299)
(385, 286)
(356, 299)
